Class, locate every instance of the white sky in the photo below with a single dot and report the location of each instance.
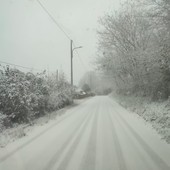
(28, 37)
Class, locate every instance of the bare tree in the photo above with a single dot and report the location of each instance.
(134, 46)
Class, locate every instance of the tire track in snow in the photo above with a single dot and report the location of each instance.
(151, 153)
(121, 159)
(57, 155)
(63, 165)
(109, 159)
(157, 160)
(135, 147)
(89, 158)
(37, 136)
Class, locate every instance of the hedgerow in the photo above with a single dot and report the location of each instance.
(26, 96)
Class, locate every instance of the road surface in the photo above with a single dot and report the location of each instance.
(98, 134)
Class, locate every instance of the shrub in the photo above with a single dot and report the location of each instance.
(25, 96)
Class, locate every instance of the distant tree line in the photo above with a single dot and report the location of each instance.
(134, 48)
(96, 83)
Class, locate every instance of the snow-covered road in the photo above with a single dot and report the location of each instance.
(98, 134)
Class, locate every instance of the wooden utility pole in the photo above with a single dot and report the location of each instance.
(71, 48)
(57, 75)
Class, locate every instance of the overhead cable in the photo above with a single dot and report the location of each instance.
(53, 19)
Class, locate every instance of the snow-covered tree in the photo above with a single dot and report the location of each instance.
(134, 47)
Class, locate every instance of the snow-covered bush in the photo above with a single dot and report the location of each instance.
(22, 96)
(25, 96)
(60, 93)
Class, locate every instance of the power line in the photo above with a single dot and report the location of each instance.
(55, 22)
(58, 25)
(53, 19)
(15, 65)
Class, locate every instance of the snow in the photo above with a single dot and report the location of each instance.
(96, 134)
(155, 114)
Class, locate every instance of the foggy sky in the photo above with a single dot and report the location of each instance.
(28, 37)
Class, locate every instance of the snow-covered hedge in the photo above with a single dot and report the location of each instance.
(25, 96)
(60, 93)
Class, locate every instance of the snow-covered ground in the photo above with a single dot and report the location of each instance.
(97, 134)
(156, 114)
(23, 130)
